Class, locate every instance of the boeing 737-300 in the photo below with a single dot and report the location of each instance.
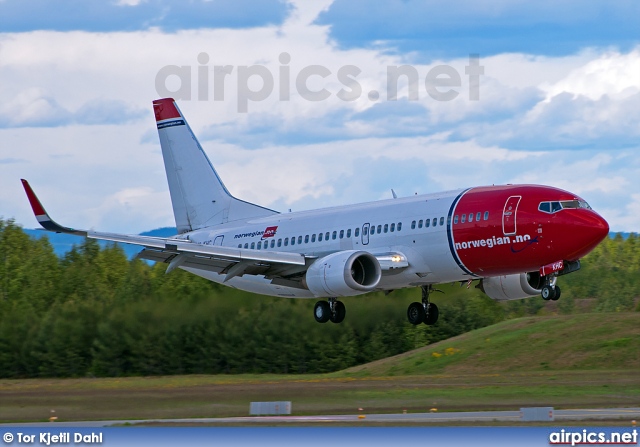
(514, 239)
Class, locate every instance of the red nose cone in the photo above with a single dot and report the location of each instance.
(588, 231)
(601, 228)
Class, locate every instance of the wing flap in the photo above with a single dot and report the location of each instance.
(175, 246)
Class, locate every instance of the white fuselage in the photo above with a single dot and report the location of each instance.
(349, 228)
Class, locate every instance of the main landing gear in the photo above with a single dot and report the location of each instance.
(550, 291)
(425, 312)
(333, 310)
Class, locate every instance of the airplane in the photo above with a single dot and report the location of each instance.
(515, 240)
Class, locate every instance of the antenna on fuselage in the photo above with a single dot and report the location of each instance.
(393, 193)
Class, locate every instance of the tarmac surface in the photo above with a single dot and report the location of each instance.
(471, 416)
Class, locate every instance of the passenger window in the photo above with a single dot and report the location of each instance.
(399, 226)
(246, 245)
(413, 225)
(239, 245)
(427, 222)
(435, 221)
(341, 234)
(293, 241)
(478, 216)
(334, 234)
(306, 239)
(286, 241)
(470, 217)
(379, 229)
(349, 232)
(299, 240)
(393, 227)
(357, 232)
(420, 223)
(463, 219)
(273, 243)
(442, 221)
(326, 236)
(320, 237)
(313, 238)
(486, 215)
(386, 227)
(253, 245)
(455, 219)
(279, 242)
(259, 245)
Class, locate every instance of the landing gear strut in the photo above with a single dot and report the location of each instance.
(425, 312)
(550, 291)
(333, 310)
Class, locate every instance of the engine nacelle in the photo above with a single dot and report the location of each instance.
(344, 273)
(512, 287)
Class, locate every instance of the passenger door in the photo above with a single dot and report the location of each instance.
(365, 234)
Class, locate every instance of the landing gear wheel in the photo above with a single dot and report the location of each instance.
(322, 311)
(547, 293)
(416, 313)
(556, 295)
(339, 312)
(431, 315)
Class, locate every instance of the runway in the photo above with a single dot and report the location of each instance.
(426, 418)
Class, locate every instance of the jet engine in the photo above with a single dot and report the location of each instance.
(344, 273)
(512, 287)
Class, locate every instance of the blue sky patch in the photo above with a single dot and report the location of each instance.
(109, 16)
(438, 29)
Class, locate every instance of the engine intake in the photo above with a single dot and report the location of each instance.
(344, 273)
(512, 287)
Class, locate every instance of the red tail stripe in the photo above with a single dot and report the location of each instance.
(165, 109)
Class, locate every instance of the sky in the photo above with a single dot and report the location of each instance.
(306, 104)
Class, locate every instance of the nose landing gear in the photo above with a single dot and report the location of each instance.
(550, 291)
(425, 312)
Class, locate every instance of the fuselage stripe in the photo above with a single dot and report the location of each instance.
(450, 233)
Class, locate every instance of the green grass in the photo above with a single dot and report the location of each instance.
(605, 341)
(577, 361)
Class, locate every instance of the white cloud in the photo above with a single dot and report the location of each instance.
(129, 2)
(94, 172)
(133, 205)
(32, 107)
(612, 74)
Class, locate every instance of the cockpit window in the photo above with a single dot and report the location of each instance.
(554, 207)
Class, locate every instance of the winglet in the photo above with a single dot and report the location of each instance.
(42, 216)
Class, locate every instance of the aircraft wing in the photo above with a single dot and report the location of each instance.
(184, 253)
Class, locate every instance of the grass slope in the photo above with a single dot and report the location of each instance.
(577, 361)
(599, 341)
